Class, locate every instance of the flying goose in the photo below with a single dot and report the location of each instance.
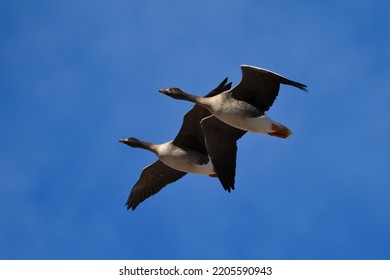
(245, 105)
(200, 135)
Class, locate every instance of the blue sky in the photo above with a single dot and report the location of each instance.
(76, 76)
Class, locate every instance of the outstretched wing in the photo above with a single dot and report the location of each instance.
(221, 142)
(153, 178)
(260, 87)
(190, 135)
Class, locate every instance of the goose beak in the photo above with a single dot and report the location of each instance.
(124, 141)
(165, 91)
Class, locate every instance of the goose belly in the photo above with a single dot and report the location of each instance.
(185, 160)
(261, 124)
(185, 164)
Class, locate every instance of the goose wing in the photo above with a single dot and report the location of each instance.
(153, 178)
(190, 135)
(221, 142)
(260, 87)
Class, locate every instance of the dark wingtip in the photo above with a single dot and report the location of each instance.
(303, 87)
(299, 85)
(228, 187)
(226, 182)
(223, 82)
(227, 86)
(129, 205)
(223, 86)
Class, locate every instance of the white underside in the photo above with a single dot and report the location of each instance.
(262, 124)
(179, 159)
(187, 166)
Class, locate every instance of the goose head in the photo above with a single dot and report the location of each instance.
(131, 141)
(175, 93)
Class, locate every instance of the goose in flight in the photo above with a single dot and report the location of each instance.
(200, 138)
(244, 106)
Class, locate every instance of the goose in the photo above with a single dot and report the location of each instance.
(189, 152)
(244, 106)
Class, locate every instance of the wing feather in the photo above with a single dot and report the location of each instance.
(221, 142)
(153, 178)
(260, 87)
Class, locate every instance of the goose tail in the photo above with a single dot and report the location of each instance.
(279, 130)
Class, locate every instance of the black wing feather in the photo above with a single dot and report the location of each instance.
(153, 178)
(221, 142)
(260, 87)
